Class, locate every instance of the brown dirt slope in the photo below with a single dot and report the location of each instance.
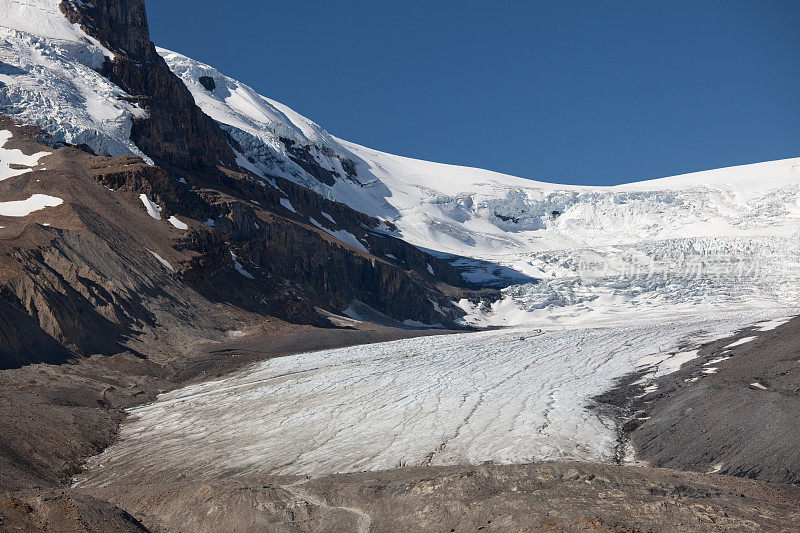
(742, 420)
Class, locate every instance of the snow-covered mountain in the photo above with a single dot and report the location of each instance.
(720, 231)
(478, 212)
(123, 208)
(149, 204)
(573, 249)
(49, 77)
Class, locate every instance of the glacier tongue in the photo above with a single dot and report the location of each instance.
(505, 396)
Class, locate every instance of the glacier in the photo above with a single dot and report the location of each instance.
(596, 282)
(506, 396)
(599, 282)
(49, 78)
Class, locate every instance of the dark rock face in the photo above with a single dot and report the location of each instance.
(22, 341)
(88, 283)
(297, 266)
(176, 132)
(740, 421)
(208, 82)
(301, 155)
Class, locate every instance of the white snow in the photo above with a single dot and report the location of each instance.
(177, 223)
(715, 239)
(44, 18)
(326, 215)
(239, 268)
(617, 279)
(772, 324)
(23, 208)
(15, 156)
(758, 385)
(342, 235)
(48, 78)
(740, 342)
(287, 204)
(256, 122)
(152, 209)
(666, 363)
(163, 261)
(437, 307)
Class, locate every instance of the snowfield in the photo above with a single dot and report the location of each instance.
(23, 208)
(15, 157)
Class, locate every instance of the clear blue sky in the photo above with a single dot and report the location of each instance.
(589, 91)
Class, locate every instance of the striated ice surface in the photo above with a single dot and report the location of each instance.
(512, 395)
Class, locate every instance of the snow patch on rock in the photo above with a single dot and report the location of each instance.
(239, 268)
(15, 156)
(152, 209)
(287, 204)
(177, 223)
(23, 208)
(163, 261)
(342, 235)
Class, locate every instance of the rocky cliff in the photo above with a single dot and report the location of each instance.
(175, 132)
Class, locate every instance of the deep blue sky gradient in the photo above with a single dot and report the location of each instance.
(584, 91)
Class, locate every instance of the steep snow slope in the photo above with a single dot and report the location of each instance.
(477, 212)
(718, 238)
(48, 78)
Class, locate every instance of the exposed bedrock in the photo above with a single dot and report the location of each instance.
(175, 131)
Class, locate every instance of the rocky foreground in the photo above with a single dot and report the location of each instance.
(534, 497)
(56, 416)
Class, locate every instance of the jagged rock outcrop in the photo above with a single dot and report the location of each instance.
(175, 132)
